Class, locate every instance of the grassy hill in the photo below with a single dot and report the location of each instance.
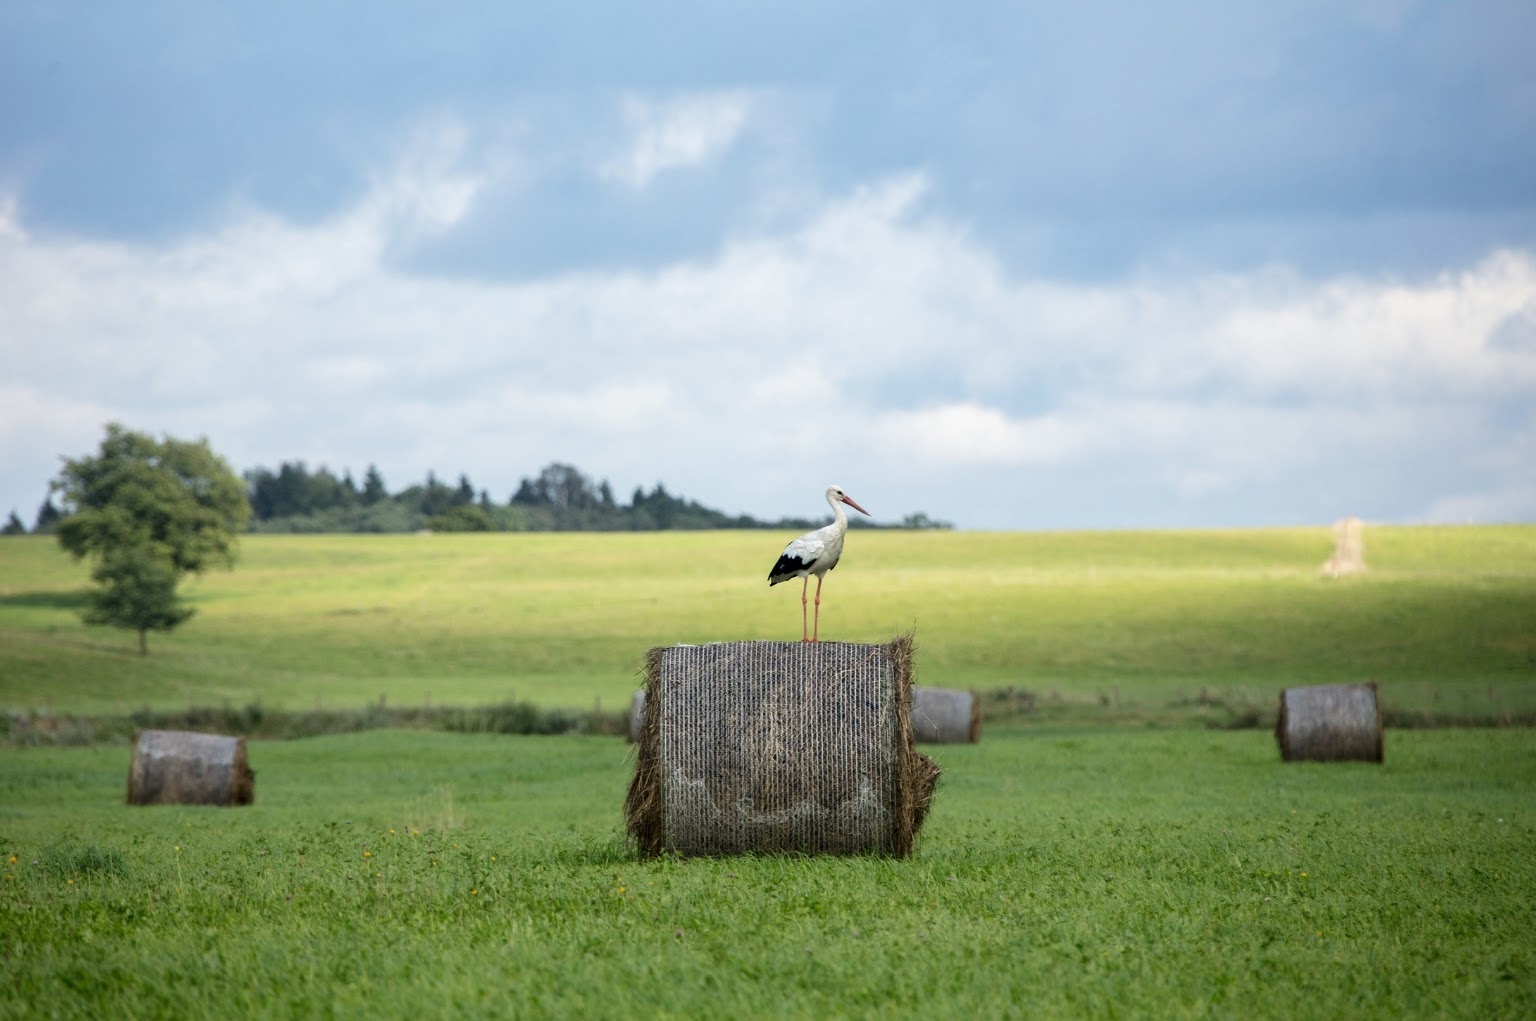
(1065, 871)
(1446, 617)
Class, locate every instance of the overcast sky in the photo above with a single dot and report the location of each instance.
(1013, 265)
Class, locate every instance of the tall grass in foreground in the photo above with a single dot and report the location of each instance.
(1140, 620)
(1061, 874)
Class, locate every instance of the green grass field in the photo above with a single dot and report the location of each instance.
(1446, 617)
(1071, 873)
(1087, 868)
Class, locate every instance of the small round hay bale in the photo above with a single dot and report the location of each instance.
(178, 767)
(636, 716)
(1330, 723)
(942, 716)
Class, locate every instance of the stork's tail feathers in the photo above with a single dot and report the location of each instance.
(788, 567)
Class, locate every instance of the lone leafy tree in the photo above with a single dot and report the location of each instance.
(148, 511)
(138, 590)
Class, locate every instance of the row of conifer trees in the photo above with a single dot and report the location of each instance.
(296, 498)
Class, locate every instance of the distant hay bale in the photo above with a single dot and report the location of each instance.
(1330, 723)
(178, 767)
(1348, 549)
(636, 716)
(941, 716)
(779, 747)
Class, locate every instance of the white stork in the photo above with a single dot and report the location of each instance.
(815, 553)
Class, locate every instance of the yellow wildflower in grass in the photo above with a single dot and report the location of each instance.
(367, 854)
(11, 860)
(474, 893)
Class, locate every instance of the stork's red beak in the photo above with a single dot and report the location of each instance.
(849, 501)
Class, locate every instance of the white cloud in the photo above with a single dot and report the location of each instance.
(875, 346)
(1517, 331)
(1363, 337)
(346, 374)
(1515, 503)
(37, 424)
(971, 434)
(684, 131)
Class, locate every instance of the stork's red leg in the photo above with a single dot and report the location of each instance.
(803, 584)
(816, 635)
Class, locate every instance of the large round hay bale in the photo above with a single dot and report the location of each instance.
(942, 716)
(779, 747)
(1330, 723)
(178, 767)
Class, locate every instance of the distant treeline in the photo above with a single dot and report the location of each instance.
(560, 498)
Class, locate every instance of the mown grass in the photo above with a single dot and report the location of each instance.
(1062, 873)
(1443, 620)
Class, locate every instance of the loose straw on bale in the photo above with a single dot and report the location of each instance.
(177, 767)
(779, 747)
(1330, 723)
(941, 716)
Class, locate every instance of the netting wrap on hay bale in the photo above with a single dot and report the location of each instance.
(178, 767)
(773, 747)
(1330, 723)
(941, 716)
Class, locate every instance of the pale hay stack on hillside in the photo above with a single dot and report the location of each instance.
(1348, 549)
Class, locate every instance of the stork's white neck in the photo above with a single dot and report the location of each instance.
(839, 518)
